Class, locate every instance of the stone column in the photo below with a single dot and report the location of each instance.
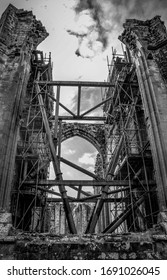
(57, 221)
(20, 33)
(147, 41)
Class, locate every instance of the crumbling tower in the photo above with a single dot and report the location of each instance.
(20, 34)
(147, 41)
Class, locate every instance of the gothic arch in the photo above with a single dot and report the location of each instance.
(93, 133)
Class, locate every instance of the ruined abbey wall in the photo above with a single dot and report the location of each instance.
(20, 33)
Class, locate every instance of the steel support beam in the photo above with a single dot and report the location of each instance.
(114, 161)
(61, 105)
(56, 193)
(96, 213)
(90, 200)
(59, 140)
(56, 117)
(123, 216)
(99, 195)
(79, 168)
(79, 192)
(77, 188)
(81, 83)
(56, 165)
(95, 107)
(79, 101)
(76, 83)
(79, 118)
(87, 183)
(48, 191)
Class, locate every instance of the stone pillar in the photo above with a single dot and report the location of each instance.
(147, 41)
(57, 217)
(62, 220)
(20, 33)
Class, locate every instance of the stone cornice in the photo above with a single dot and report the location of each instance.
(19, 29)
(150, 34)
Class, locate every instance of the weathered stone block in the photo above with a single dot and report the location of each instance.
(5, 217)
(161, 248)
(54, 248)
(132, 256)
(123, 256)
(5, 223)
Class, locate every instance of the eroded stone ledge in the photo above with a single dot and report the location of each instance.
(27, 246)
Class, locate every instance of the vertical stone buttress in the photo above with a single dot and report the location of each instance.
(147, 41)
(20, 34)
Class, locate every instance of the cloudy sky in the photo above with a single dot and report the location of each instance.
(81, 36)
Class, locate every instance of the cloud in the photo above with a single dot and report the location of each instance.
(89, 98)
(92, 38)
(91, 169)
(68, 94)
(69, 152)
(69, 174)
(88, 159)
(105, 20)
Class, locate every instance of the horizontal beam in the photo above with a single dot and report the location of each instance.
(76, 83)
(86, 183)
(81, 191)
(80, 118)
(109, 193)
(27, 157)
(114, 200)
(82, 83)
(48, 191)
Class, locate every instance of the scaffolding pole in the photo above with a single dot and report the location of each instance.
(56, 165)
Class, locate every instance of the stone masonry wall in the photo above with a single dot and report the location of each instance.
(81, 214)
(109, 247)
(147, 41)
(20, 33)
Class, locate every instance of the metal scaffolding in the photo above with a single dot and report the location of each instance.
(33, 153)
(129, 152)
(126, 196)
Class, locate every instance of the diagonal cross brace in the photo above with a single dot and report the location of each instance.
(79, 168)
(56, 165)
(98, 208)
(123, 216)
